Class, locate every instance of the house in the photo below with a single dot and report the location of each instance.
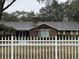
(13, 47)
(44, 29)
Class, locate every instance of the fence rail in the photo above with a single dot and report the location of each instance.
(58, 47)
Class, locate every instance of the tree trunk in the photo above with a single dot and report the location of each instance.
(2, 2)
(1, 9)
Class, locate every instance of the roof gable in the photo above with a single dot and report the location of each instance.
(43, 26)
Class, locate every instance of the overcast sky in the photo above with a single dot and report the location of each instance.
(26, 5)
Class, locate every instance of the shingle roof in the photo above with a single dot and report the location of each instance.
(56, 25)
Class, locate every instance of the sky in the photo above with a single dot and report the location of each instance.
(27, 5)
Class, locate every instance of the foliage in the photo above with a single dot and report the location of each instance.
(6, 28)
(18, 16)
(54, 11)
(75, 10)
(9, 17)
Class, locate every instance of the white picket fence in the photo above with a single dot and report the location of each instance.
(64, 47)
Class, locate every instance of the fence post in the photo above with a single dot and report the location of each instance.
(56, 47)
(11, 47)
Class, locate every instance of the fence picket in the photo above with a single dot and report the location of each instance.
(8, 48)
(46, 49)
(78, 47)
(78, 52)
(5, 46)
(2, 47)
(40, 48)
(56, 48)
(22, 47)
(12, 47)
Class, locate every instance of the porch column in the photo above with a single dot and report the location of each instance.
(76, 32)
(71, 32)
(58, 32)
(64, 32)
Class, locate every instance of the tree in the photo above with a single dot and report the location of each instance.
(9, 17)
(3, 7)
(68, 11)
(24, 16)
(75, 4)
(55, 11)
(18, 16)
(74, 10)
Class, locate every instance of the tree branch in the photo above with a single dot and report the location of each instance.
(9, 5)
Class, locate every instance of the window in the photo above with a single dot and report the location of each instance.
(68, 32)
(74, 32)
(43, 33)
(60, 32)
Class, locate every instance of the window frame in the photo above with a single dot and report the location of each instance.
(42, 31)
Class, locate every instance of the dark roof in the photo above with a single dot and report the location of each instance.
(30, 25)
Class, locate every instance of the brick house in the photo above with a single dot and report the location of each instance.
(44, 29)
